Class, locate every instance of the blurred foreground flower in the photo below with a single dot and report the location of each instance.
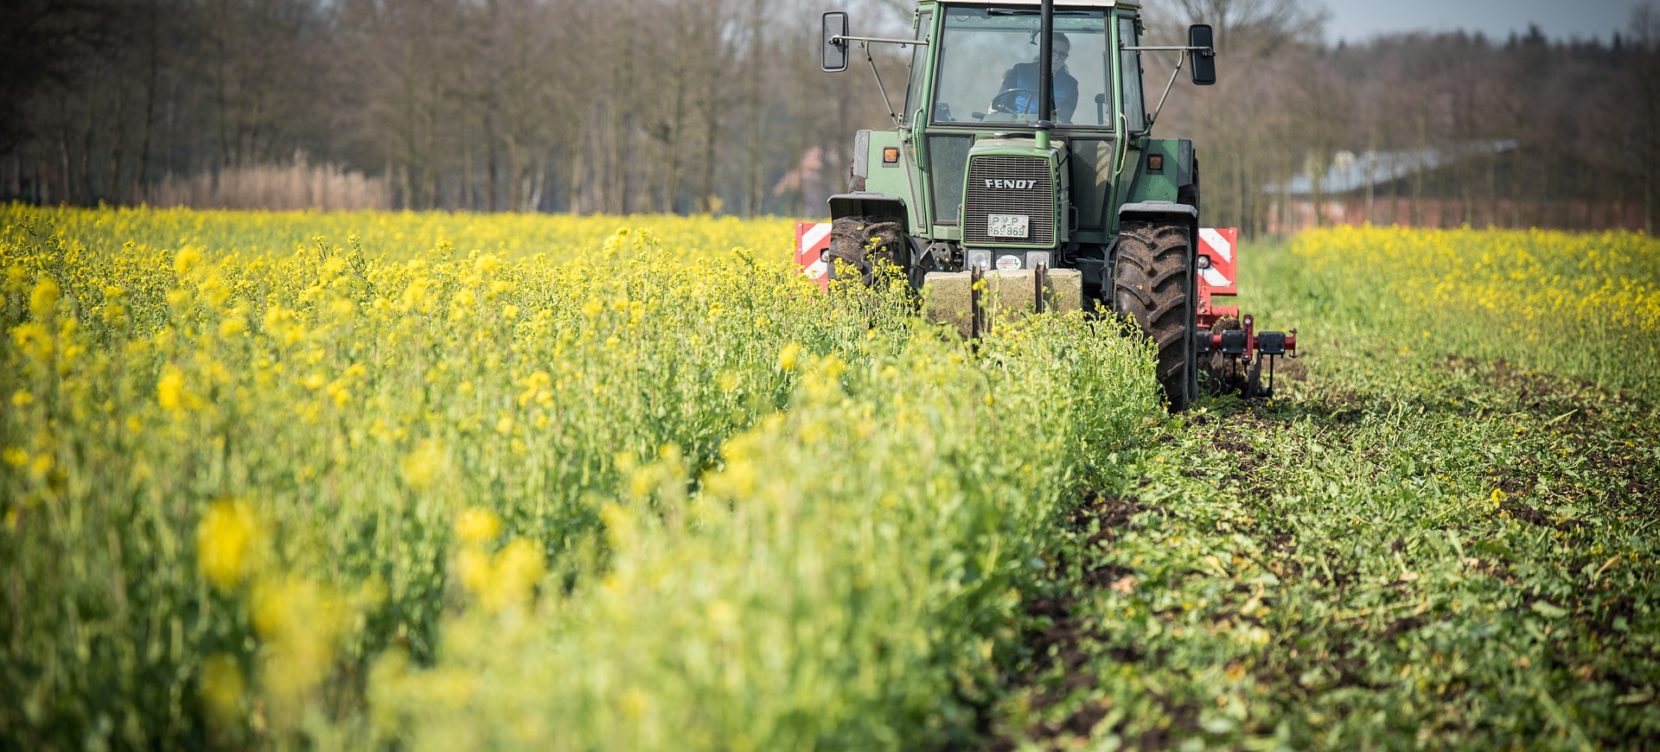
(227, 539)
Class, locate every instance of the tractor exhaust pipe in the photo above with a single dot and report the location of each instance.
(1046, 72)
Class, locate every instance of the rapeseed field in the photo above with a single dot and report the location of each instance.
(443, 481)
(527, 481)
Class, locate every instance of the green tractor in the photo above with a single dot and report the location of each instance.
(1024, 149)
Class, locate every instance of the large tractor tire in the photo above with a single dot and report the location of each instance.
(1152, 284)
(861, 242)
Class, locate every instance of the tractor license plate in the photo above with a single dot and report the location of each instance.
(1007, 225)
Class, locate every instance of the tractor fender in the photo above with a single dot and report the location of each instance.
(1187, 165)
(859, 171)
(854, 217)
(868, 204)
(1148, 210)
(1165, 211)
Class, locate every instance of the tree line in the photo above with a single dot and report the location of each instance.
(527, 105)
(1582, 114)
(718, 105)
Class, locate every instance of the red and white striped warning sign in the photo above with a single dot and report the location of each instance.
(812, 241)
(1217, 246)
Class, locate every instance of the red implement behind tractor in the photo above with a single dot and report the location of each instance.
(1234, 349)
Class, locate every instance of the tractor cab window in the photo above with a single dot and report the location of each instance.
(913, 90)
(988, 71)
(1135, 108)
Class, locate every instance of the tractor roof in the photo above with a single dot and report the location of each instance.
(1058, 3)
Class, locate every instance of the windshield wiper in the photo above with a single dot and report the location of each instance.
(1029, 12)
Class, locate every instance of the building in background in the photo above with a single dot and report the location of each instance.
(1480, 184)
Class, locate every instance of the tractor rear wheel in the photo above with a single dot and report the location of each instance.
(861, 242)
(1152, 282)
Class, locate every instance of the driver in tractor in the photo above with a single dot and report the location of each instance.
(1020, 84)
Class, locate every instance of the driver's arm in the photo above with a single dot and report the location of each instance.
(1011, 79)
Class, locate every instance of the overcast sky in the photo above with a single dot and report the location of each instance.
(1357, 20)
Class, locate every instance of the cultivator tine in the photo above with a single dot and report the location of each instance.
(1243, 351)
(976, 311)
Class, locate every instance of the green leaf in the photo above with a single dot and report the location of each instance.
(1549, 611)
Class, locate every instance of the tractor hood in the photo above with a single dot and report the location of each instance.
(1019, 143)
(1014, 194)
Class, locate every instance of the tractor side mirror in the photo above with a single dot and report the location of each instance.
(833, 42)
(1204, 57)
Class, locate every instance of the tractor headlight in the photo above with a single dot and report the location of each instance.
(978, 257)
(1034, 259)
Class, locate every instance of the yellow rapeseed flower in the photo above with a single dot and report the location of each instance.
(170, 388)
(788, 356)
(186, 259)
(34, 341)
(476, 525)
(514, 574)
(472, 569)
(232, 325)
(43, 301)
(226, 541)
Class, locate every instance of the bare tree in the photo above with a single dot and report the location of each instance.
(1645, 70)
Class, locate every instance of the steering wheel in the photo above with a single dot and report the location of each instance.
(1005, 101)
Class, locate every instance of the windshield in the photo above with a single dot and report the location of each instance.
(989, 72)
